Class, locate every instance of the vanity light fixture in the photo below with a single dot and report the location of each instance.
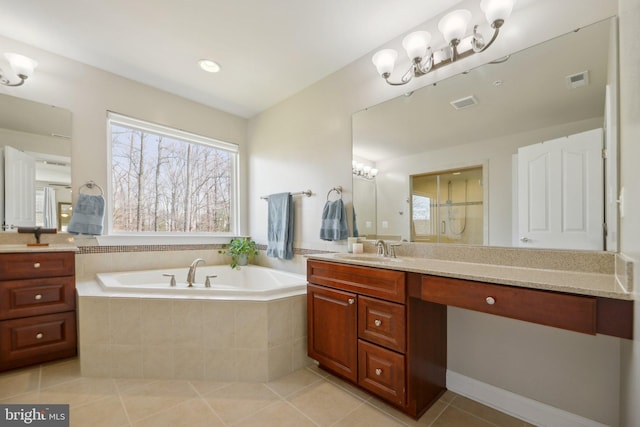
(21, 65)
(363, 171)
(453, 27)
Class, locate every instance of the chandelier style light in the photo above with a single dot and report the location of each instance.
(21, 65)
(363, 171)
(453, 27)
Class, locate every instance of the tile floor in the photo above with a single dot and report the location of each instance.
(308, 397)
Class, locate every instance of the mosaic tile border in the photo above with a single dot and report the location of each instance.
(108, 249)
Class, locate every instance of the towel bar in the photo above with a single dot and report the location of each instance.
(91, 185)
(299, 193)
(337, 189)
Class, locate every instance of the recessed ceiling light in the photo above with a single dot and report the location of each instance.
(209, 65)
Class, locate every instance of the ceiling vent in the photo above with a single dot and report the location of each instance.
(577, 80)
(466, 102)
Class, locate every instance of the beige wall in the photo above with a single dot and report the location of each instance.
(630, 180)
(310, 133)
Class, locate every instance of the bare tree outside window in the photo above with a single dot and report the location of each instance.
(165, 184)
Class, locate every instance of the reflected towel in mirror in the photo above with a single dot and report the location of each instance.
(88, 215)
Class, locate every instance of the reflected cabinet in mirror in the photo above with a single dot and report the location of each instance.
(532, 126)
(35, 163)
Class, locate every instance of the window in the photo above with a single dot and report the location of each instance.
(168, 181)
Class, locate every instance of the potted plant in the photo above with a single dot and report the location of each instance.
(241, 250)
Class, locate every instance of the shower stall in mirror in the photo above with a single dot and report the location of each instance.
(447, 207)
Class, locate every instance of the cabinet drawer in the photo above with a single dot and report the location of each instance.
(375, 282)
(20, 298)
(33, 265)
(382, 372)
(573, 312)
(382, 322)
(37, 339)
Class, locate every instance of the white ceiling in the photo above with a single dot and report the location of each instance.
(268, 50)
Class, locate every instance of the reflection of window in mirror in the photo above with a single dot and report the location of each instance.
(421, 216)
(64, 215)
(447, 207)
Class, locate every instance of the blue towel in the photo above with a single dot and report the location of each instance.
(334, 221)
(356, 233)
(280, 226)
(87, 215)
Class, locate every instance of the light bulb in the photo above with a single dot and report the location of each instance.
(21, 65)
(416, 44)
(384, 61)
(496, 10)
(453, 25)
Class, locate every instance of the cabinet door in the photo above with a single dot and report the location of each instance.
(332, 330)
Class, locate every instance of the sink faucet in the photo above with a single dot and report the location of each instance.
(191, 276)
(381, 248)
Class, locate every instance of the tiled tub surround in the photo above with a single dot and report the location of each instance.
(176, 338)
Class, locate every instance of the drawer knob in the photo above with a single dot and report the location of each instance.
(377, 322)
(38, 297)
(39, 335)
(490, 300)
(351, 300)
(36, 265)
(378, 371)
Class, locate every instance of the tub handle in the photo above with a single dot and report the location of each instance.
(172, 282)
(207, 283)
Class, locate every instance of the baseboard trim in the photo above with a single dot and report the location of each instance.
(518, 406)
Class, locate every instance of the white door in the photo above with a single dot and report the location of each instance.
(560, 193)
(20, 188)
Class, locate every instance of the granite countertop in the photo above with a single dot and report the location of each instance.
(580, 283)
(14, 248)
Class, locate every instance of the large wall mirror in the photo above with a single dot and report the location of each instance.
(35, 164)
(494, 120)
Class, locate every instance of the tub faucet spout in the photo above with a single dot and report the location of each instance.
(191, 276)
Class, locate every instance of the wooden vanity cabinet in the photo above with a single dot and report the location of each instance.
(363, 327)
(37, 308)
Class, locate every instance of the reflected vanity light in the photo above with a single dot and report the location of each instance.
(363, 171)
(453, 27)
(22, 67)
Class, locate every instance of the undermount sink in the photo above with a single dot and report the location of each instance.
(367, 258)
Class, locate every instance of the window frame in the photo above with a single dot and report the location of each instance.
(234, 149)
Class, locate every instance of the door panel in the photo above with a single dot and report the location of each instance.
(560, 193)
(20, 188)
